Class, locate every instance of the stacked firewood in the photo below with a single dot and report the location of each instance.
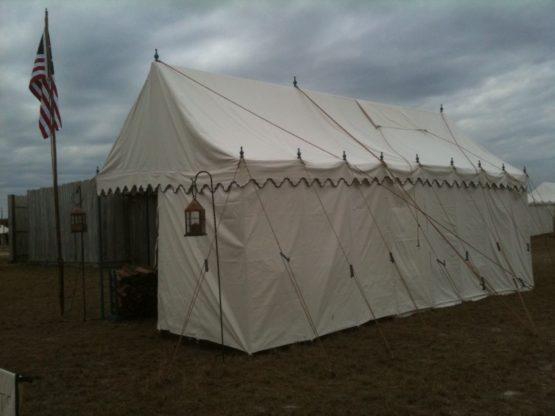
(133, 292)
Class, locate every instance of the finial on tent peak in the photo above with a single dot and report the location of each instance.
(480, 164)
(524, 170)
(98, 170)
(417, 160)
(452, 162)
(295, 84)
(241, 153)
(381, 156)
(299, 153)
(441, 108)
(503, 167)
(156, 56)
(344, 155)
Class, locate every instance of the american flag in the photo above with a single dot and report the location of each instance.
(45, 92)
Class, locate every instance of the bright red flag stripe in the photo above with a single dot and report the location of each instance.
(48, 97)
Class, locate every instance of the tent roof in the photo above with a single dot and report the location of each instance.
(185, 121)
(543, 194)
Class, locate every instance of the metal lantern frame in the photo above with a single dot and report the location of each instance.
(195, 225)
(195, 219)
(78, 220)
(79, 226)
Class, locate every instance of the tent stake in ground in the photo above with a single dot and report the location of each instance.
(195, 225)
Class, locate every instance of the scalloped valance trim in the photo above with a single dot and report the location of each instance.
(334, 183)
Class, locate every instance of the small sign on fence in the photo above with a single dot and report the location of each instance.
(8, 393)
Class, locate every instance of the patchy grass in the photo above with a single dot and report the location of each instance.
(475, 358)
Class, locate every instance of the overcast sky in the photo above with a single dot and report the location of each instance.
(491, 64)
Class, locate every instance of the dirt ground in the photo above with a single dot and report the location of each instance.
(477, 358)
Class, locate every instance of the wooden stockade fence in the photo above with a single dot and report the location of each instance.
(128, 226)
(18, 225)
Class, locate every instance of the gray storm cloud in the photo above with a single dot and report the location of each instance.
(491, 65)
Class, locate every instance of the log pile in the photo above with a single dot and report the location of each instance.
(133, 292)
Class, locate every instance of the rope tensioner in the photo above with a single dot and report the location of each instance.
(284, 256)
(519, 283)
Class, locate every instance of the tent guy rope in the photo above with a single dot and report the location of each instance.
(406, 198)
(350, 263)
(211, 114)
(288, 268)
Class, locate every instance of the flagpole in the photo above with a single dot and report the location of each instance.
(52, 129)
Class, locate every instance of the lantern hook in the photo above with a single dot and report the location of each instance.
(213, 191)
(194, 190)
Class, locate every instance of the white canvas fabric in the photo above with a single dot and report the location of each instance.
(185, 121)
(316, 244)
(543, 194)
(261, 308)
(542, 208)
(542, 219)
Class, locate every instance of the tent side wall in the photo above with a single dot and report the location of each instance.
(279, 294)
(542, 218)
(542, 208)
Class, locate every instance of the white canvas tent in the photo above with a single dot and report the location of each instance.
(327, 222)
(542, 208)
(4, 233)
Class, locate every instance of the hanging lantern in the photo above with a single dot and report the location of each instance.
(195, 219)
(78, 220)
